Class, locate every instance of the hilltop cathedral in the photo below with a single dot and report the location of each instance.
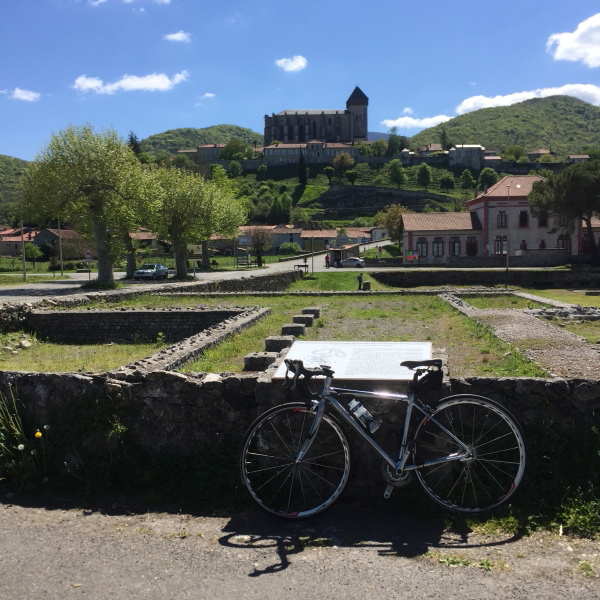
(301, 126)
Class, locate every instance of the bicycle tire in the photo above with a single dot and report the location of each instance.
(270, 473)
(498, 455)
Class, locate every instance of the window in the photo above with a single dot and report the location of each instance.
(501, 219)
(454, 248)
(500, 244)
(563, 220)
(542, 244)
(438, 246)
(543, 219)
(523, 219)
(422, 246)
(564, 241)
(523, 245)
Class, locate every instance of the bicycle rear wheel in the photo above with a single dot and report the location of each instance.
(495, 465)
(269, 470)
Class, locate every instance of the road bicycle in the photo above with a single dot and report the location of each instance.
(467, 453)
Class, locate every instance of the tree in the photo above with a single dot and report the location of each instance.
(487, 177)
(235, 169)
(188, 209)
(134, 143)
(444, 141)
(342, 162)
(514, 153)
(94, 181)
(363, 149)
(32, 252)
(302, 176)
(396, 171)
(261, 240)
(391, 219)
(574, 193)
(329, 172)
(379, 147)
(261, 173)
(447, 182)
(393, 143)
(351, 175)
(424, 175)
(467, 182)
(234, 149)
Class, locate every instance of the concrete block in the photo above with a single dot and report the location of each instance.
(276, 343)
(259, 361)
(304, 319)
(315, 311)
(293, 329)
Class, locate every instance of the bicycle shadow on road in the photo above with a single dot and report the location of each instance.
(379, 526)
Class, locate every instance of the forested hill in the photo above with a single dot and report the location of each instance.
(179, 139)
(10, 170)
(563, 124)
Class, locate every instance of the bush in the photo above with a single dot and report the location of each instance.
(290, 248)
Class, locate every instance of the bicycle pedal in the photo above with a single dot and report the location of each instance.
(388, 492)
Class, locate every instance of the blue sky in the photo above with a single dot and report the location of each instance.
(148, 66)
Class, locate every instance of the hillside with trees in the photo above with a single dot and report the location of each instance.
(10, 170)
(177, 139)
(563, 124)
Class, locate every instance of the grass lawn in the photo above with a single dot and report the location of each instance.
(18, 279)
(500, 301)
(568, 296)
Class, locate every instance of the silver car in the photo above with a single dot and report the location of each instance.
(352, 261)
(151, 271)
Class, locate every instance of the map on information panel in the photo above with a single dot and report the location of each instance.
(359, 360)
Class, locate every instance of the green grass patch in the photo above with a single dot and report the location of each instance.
(334, 281)
(564, 295)
(18, 279)
(590, 330)
(501, 301)
(44, 356)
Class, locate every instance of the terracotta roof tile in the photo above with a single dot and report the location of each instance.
(441, 221)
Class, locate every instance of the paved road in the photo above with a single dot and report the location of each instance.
(54, 552)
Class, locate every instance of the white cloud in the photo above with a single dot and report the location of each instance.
(96, 2)
(180, 36)
(407, 111)
(156, 82)
(162, 1)
(412, 123)
(584, 91)
(25, 95)
(208, 95)
(583, 44)
(296, 63)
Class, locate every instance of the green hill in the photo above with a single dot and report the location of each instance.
(10, 169)
(563, 124)
(180, 139)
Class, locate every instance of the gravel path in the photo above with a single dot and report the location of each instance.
(350, 553)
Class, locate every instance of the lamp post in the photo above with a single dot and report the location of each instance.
(60, 254)
(23, 252)
(507, 232)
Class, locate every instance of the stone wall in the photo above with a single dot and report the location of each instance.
(131, 325)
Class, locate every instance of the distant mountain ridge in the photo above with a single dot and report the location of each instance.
(563, 124)
(186, 138)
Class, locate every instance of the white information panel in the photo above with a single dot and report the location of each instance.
(359, 360)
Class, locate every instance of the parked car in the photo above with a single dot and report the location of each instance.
(352, 261)
(151, 271)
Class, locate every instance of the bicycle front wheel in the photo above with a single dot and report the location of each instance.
(276, 480)
(493, 467)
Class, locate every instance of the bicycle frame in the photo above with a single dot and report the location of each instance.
(327, 396)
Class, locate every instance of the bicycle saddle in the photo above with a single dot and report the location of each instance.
(414, 364)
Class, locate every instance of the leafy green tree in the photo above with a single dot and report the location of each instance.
(183, 162)
(396, 172)
(275, 214)
(394, 143)
(379, 148)
(447, 182)
(342, 162)
(32, 252)
(261, 241)
(218, 173)
(467, 182)
(424, 175)
(514, 153)
(574, 193)
(134, 143)
(235, 169)
(187, 209)
(391, 219)
(444, 140)
(351, 175)
(234, 149)
(302, 176)
(261, 173)
(329, 172)
(363, 149)
(92, 180)
(487, 177)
